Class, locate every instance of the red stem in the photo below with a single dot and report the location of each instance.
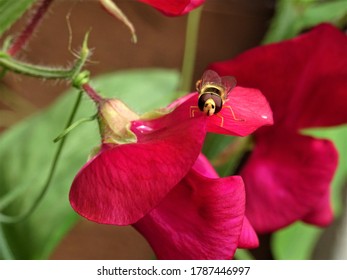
(92, 93)
(23, 38)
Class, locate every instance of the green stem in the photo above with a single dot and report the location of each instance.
(73, 126)
(9, 63)
(33, 70)
(191, 42)
(15, 219)
(26, 34)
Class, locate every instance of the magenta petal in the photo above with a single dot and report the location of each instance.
(177, 112)
(286, 178)
(248, 237)
(120, 185)
(201, 218)
(322, 215)
(174, 7)
(245, 111)
(203, 166)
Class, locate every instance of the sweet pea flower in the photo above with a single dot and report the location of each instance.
(174, 7)
(288, 174)
(142, 159)
(133, 171)
(146, 164)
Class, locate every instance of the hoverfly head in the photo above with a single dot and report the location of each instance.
(210, 104)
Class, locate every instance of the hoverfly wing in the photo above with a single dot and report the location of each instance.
(228, 82)
(210, 77)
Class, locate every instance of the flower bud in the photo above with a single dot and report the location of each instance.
(115, 121)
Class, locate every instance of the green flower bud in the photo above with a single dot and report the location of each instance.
(115, 122)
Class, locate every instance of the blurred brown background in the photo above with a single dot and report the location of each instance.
(231, 25)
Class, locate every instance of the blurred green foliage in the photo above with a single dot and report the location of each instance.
(294, 16)
(11, 11)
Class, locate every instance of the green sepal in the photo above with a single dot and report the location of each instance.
(115, 122)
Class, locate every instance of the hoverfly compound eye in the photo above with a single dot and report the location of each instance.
(210, 100)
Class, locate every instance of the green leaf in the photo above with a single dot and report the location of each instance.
(10, 11)
(26, 151)
(334, 12)
(243, 254)
(282, 23)
(294, 16)
(298, 241)
(295, 242)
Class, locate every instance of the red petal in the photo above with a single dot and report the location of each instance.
(203, 166)
(250, 108)
(177, 112)
(122, 184)
(201, 218)
(245, 111)
(174, 7)
(303, 79)
(287, 177)
(322, 215)
(248, 237)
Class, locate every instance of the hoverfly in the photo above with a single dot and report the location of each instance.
(213, 91)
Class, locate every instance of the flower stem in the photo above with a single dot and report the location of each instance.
(191, 42)
(24, 37)
(10, 63)
(92, 93)
(15, 219)
(34, 70)
(73, 126)
(73, 74)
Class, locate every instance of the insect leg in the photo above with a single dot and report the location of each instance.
(193, 109)
(233, 114)
(222, 119)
